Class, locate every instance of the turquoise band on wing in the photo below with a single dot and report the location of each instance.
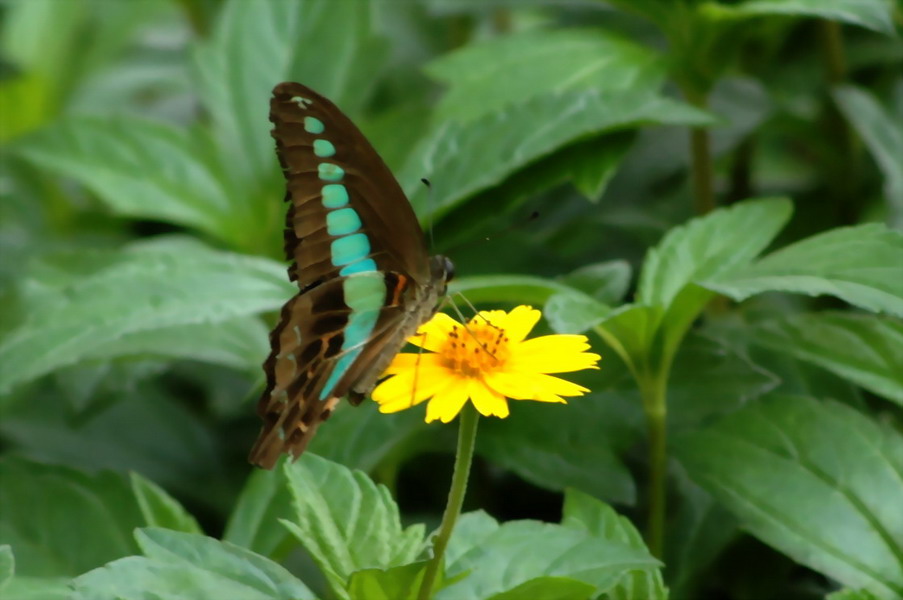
(342, 221)
(364, 295)
(330, 172)
(349, 249)
(323, 148)
(361, 266)
(313, 125)
(334, 195)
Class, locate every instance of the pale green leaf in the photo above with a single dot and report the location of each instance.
(862, 265)
(62, 522)
(866, 349)
(519, 551)
(345, 521)
(789, 465)
(707, 246)
(510, 139)
(139, 168)
(146, 287)
(254, 521)
(584, 512)
(506, 70)
(254, 46)
(883, 134)
(7, 565)
(873, 14)
(159, 509)
(548, 588)
(179, 565)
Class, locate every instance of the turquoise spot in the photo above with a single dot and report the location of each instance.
(361, 266)
(334, 195)
(313, 125)
(330, 172)
(349, 249)
(364, 295)
(323, 148)
(342, 221)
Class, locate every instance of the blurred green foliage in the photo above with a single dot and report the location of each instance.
(753, 348)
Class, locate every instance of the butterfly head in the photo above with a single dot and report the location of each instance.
(442, 270)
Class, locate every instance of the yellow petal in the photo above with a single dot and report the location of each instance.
(532, 386)
(446, 404)
(517, 324)
(409, 388)
(412, 360)
(487, 402)
(553, 354)
(432, 334)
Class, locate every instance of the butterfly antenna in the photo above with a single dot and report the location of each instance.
(464, 322)
(429, 203)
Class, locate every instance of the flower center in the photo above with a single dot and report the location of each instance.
(479, 348)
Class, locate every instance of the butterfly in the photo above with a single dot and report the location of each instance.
(366, 281)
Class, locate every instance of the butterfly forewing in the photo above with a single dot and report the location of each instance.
(359, 258)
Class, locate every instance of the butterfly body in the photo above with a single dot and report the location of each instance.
(359, 258)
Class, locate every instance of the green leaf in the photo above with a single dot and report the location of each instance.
(883, 135)
(360, 437)
(62, 522)
(519, 551)
(548, 588)
(397, 583)
(557, 447)
(159, 509)
(506, 70)
(607, 282)
(629, 330)
(7, 565)
(38, 588)
(147, 287)
(709, 378)
(866, 349)
(586, 513)
(873, 14)
(179, 565)
(708, 246)
(254, 47)
(862, 265)
(852, 595)
(254, 522)
(345, 521)
(509, 140)
(789, 465)
(574, 312)
(514, 289)
(140, 169)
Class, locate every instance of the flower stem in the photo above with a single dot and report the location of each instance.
(703, 173)
(655, 407)
(467, 434)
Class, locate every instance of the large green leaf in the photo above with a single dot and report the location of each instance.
(506, 70)
(327, 45)
(705, 247)
(816, 480)
(874, 14)
(866, 349)
(556, 447)
(184, 565)
(61, 522)
(159, 509)
(862, 265)
(142, 169)
(254, 521)
(585, 513)
(345, 521)
(462, 159)
(883, 134)
(513, 553)
(147, 287)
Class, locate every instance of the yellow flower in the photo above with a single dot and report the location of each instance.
(487, 361)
